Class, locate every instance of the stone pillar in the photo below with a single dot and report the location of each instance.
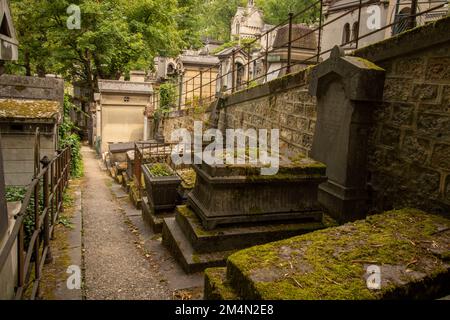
(347, 88)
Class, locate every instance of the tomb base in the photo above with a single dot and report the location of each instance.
(197, 248)
(343, 204)
(154, 219)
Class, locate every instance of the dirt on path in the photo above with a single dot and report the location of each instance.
(114, 267)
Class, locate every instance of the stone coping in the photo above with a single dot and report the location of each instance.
(421, 37)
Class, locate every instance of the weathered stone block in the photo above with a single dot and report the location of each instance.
(415, 149)
(424, 92)
(390, 136)
(302, 124)
(441, 156)
(447, 189)
(425, 180)
(438, 68)
(446, 97)
(291, 121)
(443, 108)
(435, 126)
(410, 67)
(403, 114)
(397, 89)
(394, 166)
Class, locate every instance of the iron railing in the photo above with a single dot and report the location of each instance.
(48, 185)
(203, 88)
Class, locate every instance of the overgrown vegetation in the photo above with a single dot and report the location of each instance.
(14, 194)
(68, 138)
(160, 170)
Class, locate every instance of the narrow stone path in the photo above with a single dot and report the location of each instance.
(114, 267)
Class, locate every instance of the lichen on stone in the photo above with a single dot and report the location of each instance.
(29, 109)
(407, 244)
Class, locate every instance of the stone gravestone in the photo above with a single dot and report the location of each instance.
(346, 89)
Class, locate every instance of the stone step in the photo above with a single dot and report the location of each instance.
(237, 237)
(155, 221)
(217, 287)
(178, 244)
(408, 247)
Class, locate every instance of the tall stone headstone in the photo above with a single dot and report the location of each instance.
(347, 89)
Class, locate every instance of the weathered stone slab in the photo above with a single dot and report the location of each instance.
(410, 247)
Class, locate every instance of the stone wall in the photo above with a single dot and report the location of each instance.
(409, 156)
(282, 104)
(410, 145)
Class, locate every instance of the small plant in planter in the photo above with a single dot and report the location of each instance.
(188, 177)
(161, 184)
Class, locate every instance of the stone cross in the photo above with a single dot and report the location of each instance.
(346, 89)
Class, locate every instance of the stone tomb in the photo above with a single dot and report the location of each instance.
(233, 207)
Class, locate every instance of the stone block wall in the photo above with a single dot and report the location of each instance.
(409, 159)
(283, 104)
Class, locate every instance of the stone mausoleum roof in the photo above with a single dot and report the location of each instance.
(118, 86)
(302, 36)
(29, 109)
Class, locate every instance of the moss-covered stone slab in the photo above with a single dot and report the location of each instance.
(411, 248)
(236, 237)
(29, 109)
(216, 286)
(191, 261)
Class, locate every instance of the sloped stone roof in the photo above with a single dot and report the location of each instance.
(29, 109)
(118, 86)
(305, 38)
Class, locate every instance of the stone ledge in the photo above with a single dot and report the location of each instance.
(404, 43)
(272, 87)
(411, 248)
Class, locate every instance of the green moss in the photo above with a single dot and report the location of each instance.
(330, 264)
(43, 109)
(219, 289)
(160, 170)
(186, 212)
(369, 65)
(196, 258)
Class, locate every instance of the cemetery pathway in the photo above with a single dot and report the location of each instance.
(114, 267)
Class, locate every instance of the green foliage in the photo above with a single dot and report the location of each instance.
(276, 12)
(115, 36)
(167, 95)
(243, 43)
(68, 138)
(14, 194)
(216, 21)
(167, 98)
(160, 170)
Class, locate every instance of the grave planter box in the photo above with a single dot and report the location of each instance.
(230, 194)
(162, 191)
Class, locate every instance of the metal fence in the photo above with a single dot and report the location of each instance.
(43, 201)
(249, 61)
